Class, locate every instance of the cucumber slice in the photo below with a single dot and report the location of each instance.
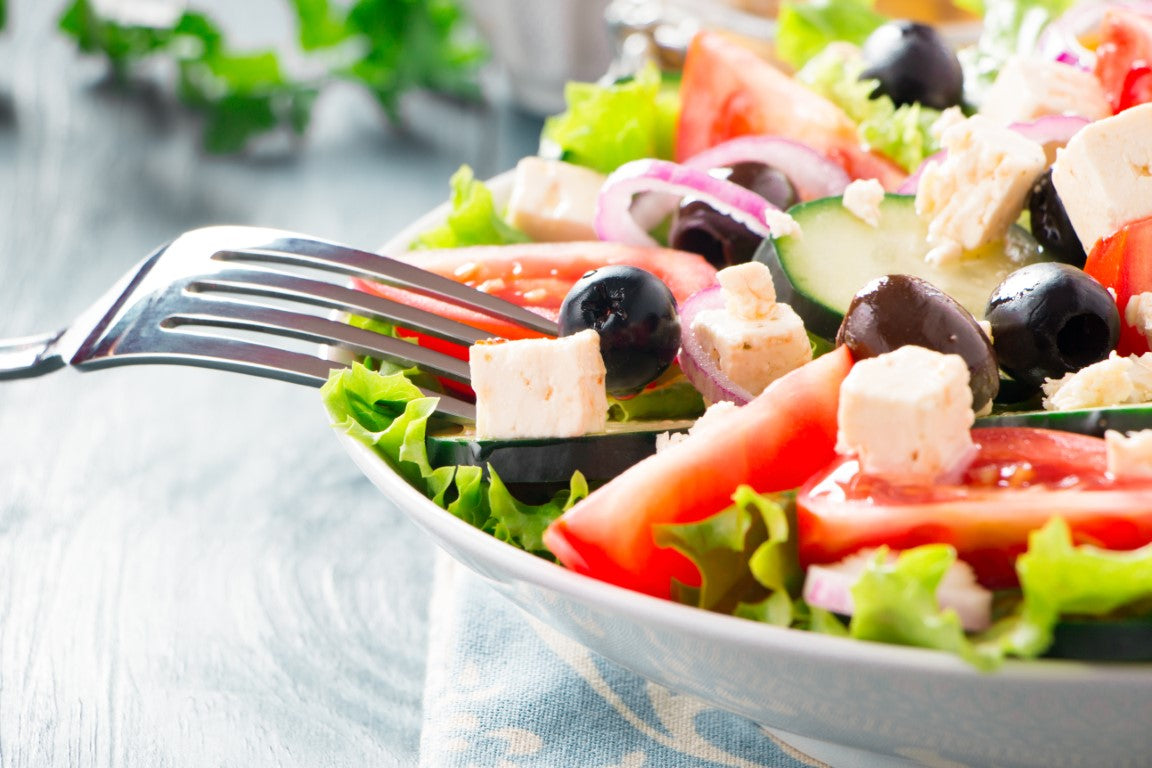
(600, 457)
(1088, 421)
(819, 271)
(1122, 640)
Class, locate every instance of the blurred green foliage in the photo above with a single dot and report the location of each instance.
(389, 47)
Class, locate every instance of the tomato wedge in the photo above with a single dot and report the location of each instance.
(1021, 478)
(1123, 56)
(728, 91)
(773, 443)
(537, 276)
(1121, 262)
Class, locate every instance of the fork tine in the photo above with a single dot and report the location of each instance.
(222, 313)
(280, 285)
(247, 357)
(318, 254)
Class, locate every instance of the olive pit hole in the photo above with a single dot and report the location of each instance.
(1083, 340)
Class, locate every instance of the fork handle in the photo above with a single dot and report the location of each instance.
(30, 356)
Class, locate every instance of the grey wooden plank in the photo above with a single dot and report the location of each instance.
(191, 572)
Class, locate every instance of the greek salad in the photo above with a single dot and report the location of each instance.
(854, 339)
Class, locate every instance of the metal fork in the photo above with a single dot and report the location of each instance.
(172, 306)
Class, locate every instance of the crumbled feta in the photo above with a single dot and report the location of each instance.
(781, 224)
(1129, 455)
(539, 387)
(973, 195)
(554, 201)
(709, 420)
(987, 328)
(754, 340)
(1104, 175)
(1114, 381)
(1138, 314)
(862, 199)
(907, 414)
(948, 118)
(1028, 88)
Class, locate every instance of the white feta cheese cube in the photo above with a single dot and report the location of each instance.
(753, 354)
(554, 201)
(862, 199)
(907, 414)
(539, 387)
(1130, 455)
(748, 290)
(1104, 175)
(1028, 88)
(973, 195)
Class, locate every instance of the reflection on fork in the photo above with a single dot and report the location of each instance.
(236, 298)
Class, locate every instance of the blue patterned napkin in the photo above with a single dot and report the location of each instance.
(505, 691)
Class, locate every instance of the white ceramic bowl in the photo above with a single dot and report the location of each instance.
(845, 702)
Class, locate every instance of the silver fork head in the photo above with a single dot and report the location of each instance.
(214, 297)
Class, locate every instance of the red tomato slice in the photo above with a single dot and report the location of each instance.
(537, 276)
(1125, 45)
(1021, 478)
(728, 91)
(773, 443)
(1122, 262)
(1137, 87)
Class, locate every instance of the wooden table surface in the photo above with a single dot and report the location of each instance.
(191, 571)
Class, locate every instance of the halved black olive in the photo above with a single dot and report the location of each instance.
(1050, 319)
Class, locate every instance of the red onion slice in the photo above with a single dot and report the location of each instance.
(614, 221)
(1051, 132)
(830, 587)
(697, 365)
(810, 172)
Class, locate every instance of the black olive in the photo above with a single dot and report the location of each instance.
(763, 179)
(1050, 224)
(897, 310)
(699, 228)
(1050, 319)
(913, 64)
(635, 314)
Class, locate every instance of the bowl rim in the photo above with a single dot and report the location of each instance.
(812, 646)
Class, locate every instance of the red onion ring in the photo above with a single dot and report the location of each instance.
(696, 364)
(1051, 130)
(614, 221)
(810, 172)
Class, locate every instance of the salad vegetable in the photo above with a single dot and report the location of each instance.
(852, 496)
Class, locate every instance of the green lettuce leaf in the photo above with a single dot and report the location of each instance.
(390, 414)
(677, 400)
(473, 219)
(1061, 579)
(895, 602)
(746, 555)
(902, 134)
(804, 28)
(606, 126)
